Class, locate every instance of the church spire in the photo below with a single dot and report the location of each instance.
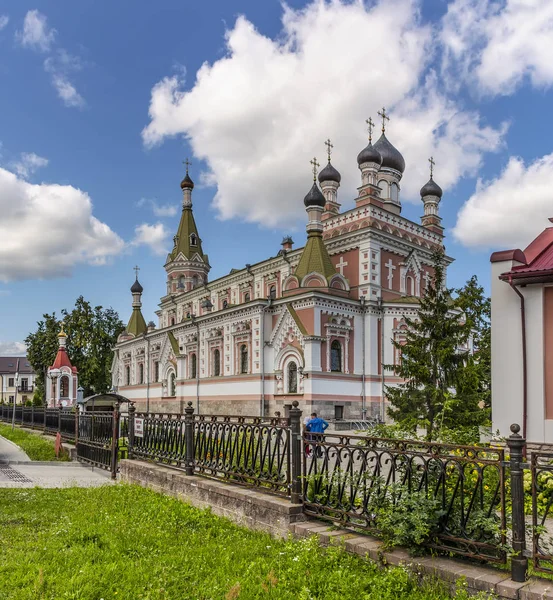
(137, 325)
(315, 258)
(187, 266)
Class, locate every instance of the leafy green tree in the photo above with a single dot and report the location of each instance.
(91, 334)
(441, 387)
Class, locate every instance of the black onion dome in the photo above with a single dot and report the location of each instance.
(137, 288)
(187, 183)
(329, 173)
(391, 156)
(431, 188)
(369, 154)
(314, 197)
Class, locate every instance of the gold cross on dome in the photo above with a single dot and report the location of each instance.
(136, 269)
(385, 117)
(187, 163)
(316, 165)
(370, 125)
(329, 147)
(432, 163)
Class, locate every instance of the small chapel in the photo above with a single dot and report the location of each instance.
(62, 378)
(313, 323)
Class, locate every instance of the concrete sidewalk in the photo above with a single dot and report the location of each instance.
(18, 471)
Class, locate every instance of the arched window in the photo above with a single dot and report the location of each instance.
(181, 282)
(193, 239)
(156, 370)
(192, 366)
(385, 189)
(272, 292)
(247, 297)
(195, 281)
(336, 356)
(410, 286)
(395, 192)
(243, 358)
(140, 373)
(292, 377)
(172, 384)
(128, 375)
(225, 303)
(64, 387)
(216, 362)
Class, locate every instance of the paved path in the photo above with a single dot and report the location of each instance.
(18, 471)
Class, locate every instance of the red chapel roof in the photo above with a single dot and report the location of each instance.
(62, 360)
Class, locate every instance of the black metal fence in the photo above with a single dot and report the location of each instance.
(483, 498)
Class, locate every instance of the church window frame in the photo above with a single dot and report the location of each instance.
(336, 354)
(225, 303)
(394, 192)
(193, 239)
(216, 362)
(384, 188)
(156, 370)
(128, 375)
(247, 297)
(272, 292)
(244, 359)
(193, 365)
(141, 373)
(172, 387)
(292, 377)
(64, 386)
(195, 281)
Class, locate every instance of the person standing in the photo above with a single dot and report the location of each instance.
(317, 426)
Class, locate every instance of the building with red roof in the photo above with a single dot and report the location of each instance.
(62, 378)
(522, 339)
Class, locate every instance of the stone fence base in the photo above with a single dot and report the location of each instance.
(244, 506)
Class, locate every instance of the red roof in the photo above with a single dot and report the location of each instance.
(62, 360)
(538, 259)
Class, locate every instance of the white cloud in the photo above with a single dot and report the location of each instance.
(154, 236)
(60, 65)
(159, 210)
(28, 163)
(259, 114)
(509, 210)
(498, 45)
(12, 349)
(36, 34)
(48, 229)
(4, 20)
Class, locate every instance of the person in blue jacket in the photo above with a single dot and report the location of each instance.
(317, 425)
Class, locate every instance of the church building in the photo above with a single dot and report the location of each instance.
(313, 324)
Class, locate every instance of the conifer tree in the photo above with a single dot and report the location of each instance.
(431, 360)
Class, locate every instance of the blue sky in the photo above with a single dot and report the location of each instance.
(101, 103)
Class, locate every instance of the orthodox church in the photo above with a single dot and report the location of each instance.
(313, 324)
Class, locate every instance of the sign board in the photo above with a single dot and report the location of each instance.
(138, 427)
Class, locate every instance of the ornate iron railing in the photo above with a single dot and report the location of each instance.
(51, 420)
(353, 479)
(67, 425)
(541, 469)
(243, 450)
(95, 438)
(161, 438)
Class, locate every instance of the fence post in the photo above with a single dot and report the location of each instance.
(132, 411)
(115, 441)
(519, 562)
(77, 408)
(295, 445)
(189, 438)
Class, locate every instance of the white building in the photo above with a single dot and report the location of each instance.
(522, 339)
(314, 324)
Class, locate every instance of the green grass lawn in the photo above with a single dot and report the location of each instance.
(35, 446)
(125, 542)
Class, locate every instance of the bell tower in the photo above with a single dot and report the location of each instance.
(187, 266)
